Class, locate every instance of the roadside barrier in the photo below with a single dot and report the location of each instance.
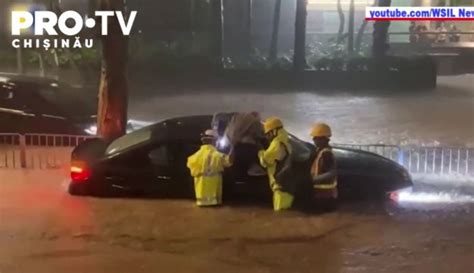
(46, 151)
(425, 160)
(37, 151)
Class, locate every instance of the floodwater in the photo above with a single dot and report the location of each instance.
(43, 229)
(440, 117)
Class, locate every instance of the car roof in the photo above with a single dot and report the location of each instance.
(186, 129)
(182, 128)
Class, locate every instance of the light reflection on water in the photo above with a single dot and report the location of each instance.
(410, 196)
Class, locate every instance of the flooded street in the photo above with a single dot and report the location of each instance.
(46, 230)
(440, 117)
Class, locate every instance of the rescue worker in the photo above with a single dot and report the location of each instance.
(276, 160)
(207, 166)
(323, 169)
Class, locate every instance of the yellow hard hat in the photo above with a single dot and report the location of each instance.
(321, 130)
(272, 123)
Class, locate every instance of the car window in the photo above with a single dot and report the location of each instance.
(160, 156)
(130, 140)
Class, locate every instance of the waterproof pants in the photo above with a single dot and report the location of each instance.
(208, 190)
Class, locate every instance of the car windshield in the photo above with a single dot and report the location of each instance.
(130, 140)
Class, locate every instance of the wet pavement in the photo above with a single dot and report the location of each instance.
(43, 229)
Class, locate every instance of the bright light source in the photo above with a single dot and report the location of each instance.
(408, 196)
(92, 130)
(222, 143)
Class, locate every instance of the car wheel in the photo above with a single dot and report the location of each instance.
(78, 189)
(89, 188)
(98, 189)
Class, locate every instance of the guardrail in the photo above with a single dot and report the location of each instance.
(426, 160)
(43, 151)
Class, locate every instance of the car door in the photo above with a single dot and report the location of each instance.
(129, 170)
(161, 159)
(182, 150)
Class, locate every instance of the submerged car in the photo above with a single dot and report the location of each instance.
(41, 105)
(153, 160)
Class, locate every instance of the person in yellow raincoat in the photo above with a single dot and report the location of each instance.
(207, 166)
(276, 160)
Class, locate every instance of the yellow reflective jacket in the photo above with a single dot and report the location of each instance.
(206, 166)
(207, 161)
(277, 152)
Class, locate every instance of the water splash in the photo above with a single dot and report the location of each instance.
(410, 196)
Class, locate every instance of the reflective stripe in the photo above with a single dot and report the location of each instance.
(315, 166)
(208, 201)
(315, 172)
(325, 186)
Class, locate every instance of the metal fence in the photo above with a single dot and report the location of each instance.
(44, 151)
(38, 151)
(426, 160)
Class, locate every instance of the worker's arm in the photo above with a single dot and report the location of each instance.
(192, 164)
(328, 169)
(226, 160)
(269, 156)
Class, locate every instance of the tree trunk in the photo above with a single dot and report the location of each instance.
(299, 61)
(192, 12)
(342, 22)
(248, 26)
(380, 34)
(42, 72)
(275, 31)
(113, 90)
(350, 37)
(218, 15)
(360, 36)
(20, 69)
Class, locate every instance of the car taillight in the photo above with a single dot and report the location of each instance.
(80, 171)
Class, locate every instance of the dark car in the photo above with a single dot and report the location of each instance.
(153, 160)
(41, 105)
